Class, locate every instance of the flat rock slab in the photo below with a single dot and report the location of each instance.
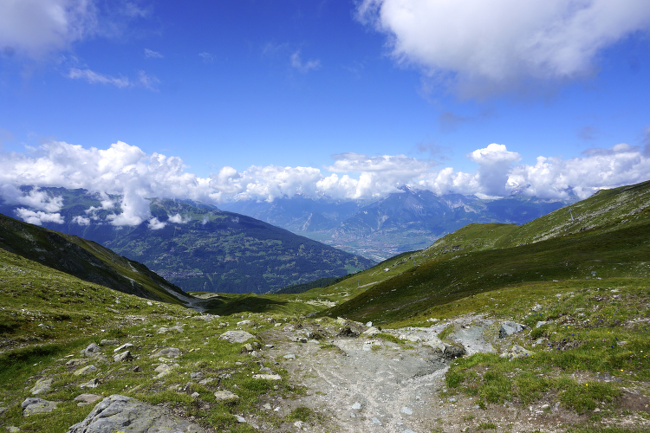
(120, 413)
(37, 405)
(237, 336)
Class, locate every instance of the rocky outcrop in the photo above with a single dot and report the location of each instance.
(120, 413)
(509, 328)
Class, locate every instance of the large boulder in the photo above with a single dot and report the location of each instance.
(120, 413)
(509, 328)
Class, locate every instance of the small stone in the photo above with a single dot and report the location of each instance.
(106, 342)
(407, 410)
(92, 350)
(33, 405)
(289, 356)
(123, 357)
(237, 336)
(376, 420)
(122, 347)
(13, 429)
(42, 386)
(92, 383)
(245, 323)
(356, 406)
(267, 376)
(85, 370)
(170, 352)
(298, 425)
(509, 328)
(85, 399)
(225, 396)
(195, 395)
(240, 419)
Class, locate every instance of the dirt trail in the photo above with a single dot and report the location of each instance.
(372, 385)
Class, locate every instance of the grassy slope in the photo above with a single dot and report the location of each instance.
(48, 317)
(86, 260)
(607, 238)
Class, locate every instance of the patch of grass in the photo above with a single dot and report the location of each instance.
(301, 413)
(487, 425)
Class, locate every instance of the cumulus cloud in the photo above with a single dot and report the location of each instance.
(303, 66)
(37, 27)
(154, 224)
(39, 217)
(82, 221)
(125, 179)
(481, 47)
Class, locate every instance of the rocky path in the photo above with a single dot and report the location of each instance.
(370, 384)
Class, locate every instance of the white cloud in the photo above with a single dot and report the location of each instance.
(125, 173)
(154, 224)
(495, 162)
(39, 217)
(82, 221)
(151, 54)
(37, 27)
(302, 66)
(92, 77)
(481, 47)
(178, 219)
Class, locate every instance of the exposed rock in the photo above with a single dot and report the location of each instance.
(541, 323)
(120, 413)
(289, 356)
(236, 336)
(42, 386)
(164, 369)
(164, 330)
(170, 352)
(371, 331)
(509, 328)
(106, 342)
(85, 370)
(92, 383)
(267, 376)
(122, 347)
(453, 351)
(92, 350)
(245, 323)
(123, 357)
(85, 399)
(516, 352)
(37, 405)
(225, 396)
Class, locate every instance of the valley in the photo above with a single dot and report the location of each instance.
(541, 327)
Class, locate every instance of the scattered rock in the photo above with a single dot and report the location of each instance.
(119, 413)
(406, 411)
(85, 370)
(240, 419)
(237, 336)
(106, 342)
(85, 399)
(371, 331)
(356, 406)
(541, 323)
(122, 347)
(453, 351)
(42, 386)
(516, 352)
(245, 323)
(123, 357)
(164, 369)
(267, 376)
(509, 328)
(289, 356)
(225, 396)
(92, 350)
(170, 352)
(92, 383)
(37, 405)
(164, 330)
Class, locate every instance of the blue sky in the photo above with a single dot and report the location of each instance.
(349, 99)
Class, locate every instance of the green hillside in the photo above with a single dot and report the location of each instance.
(86, 260)
(608, 237)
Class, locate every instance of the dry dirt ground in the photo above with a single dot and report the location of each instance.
(366, 384)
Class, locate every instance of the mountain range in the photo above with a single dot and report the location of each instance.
(199, 247)
(407, 220)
